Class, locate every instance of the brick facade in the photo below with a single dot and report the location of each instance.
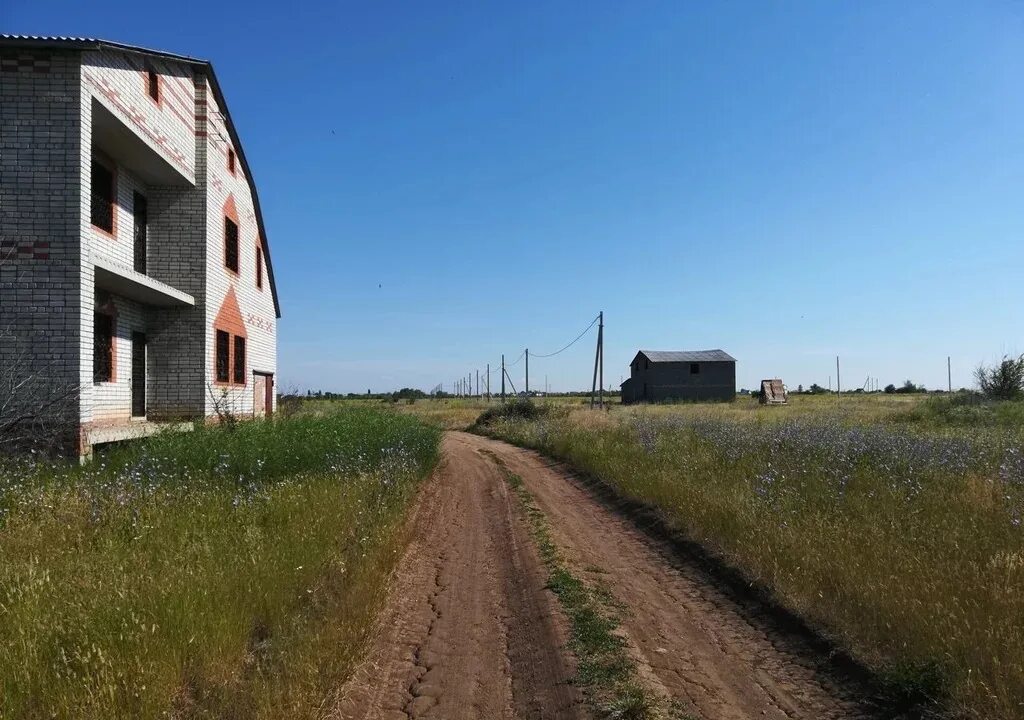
(63, 105)
(40, 249)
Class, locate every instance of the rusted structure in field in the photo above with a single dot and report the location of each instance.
(773, 392)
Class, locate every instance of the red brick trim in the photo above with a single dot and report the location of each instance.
(37, 250)
(229, 320)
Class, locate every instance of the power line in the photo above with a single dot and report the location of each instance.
(578, 337)
(504, 366)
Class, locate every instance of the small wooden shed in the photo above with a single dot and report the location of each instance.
(773, 392)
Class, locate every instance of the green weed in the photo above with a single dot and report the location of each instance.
(604, 669)
(903, 541)
(228, 573)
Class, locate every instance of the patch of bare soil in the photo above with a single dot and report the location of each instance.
(469, 630)
(698, 648)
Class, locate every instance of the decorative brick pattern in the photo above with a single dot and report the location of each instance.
(118, 81)
(48, 249)
(229, 192)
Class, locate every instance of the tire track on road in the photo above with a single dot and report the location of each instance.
(469, 629)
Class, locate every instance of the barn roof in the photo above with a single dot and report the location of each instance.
(49, 42)
(660, 356)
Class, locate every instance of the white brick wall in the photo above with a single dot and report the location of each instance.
(47, 117)
(112, 401)
(118, 81)
(257, 306)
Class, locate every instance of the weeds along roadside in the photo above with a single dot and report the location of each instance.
(905, 547)
(220, 573)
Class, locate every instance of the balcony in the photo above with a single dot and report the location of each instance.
(128, 149)
(126, 282)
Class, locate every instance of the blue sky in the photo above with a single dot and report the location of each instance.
(444, 182)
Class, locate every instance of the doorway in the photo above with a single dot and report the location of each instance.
(262, 394)
(138, 374)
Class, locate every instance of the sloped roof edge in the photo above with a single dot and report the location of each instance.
(84, 44)
(657, 356)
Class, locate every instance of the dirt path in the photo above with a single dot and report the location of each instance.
(470, 631)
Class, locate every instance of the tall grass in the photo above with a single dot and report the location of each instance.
(221, 573)
(908, 548)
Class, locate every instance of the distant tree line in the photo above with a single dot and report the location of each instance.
(1002, 381)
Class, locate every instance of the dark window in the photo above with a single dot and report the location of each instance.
(695, 368)
(230, 244)
(141, 230)
(259, 267)
(231, 161)
(239, 360)
(103, 348)
(153, 84)
(138, 374)
(102, 207)
(223, 356)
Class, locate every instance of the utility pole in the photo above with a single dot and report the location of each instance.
(478, 383)
(598, 363)
(600, 343)
(488, 382)
(527, 372)
(949, 373)
(503, 377)
(838, 390)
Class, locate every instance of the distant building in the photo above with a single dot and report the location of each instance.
(662, 376)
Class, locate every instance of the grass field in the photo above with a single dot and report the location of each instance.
(221, 573)
(893, 523)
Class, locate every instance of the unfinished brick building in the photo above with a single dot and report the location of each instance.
(134, 265)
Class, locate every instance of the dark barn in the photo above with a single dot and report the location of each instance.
(663, 376)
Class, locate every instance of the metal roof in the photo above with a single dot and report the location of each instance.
(83, 43)
(56, 42)
(657, 356)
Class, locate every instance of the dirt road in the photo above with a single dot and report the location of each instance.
(471, 632)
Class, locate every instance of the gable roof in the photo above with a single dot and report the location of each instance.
(665, 356)
(30, 42)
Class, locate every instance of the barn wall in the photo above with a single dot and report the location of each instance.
(664, 382)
